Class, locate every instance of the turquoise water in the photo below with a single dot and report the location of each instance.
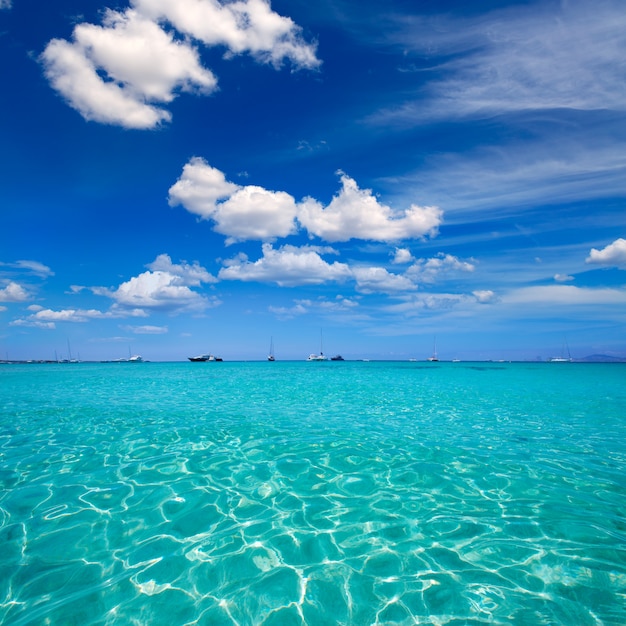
(313, 493)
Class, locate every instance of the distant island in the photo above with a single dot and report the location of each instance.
(601, 358)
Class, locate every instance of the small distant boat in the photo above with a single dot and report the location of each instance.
(132, 358)
(562, 358)
(320, 356)
(337, 357)
(434, 357)
(204, 357)
(270, 356)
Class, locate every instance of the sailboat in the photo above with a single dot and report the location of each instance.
(434, 357)
(562, 358)
(320, 356)
(270, 356)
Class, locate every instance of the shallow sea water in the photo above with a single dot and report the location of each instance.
(313, 493)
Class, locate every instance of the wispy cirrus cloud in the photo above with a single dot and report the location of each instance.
(552, 70)
(33, 267)
(26, 267)
(528, 57)
(561, 167)
(340, 304)
(146, 330)
(549, 295)
(16, 279)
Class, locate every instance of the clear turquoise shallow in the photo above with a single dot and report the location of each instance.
(313, 493)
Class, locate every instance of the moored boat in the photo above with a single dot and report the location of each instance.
(320, 356)
(434, 356)
(562, 358)
(201, 358)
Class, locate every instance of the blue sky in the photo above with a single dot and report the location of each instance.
(188, 176)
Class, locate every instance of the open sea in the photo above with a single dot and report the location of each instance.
(295, 493)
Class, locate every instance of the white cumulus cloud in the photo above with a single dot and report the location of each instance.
(192, 275)
(154, 290)
(143, 66)
(167, 286)
(429, 270)
(287, 266)
(379, 280)
(13, 292)
(612, 255)
(123, 71)
(48, 318)
(241, 26)
(356, 214)
(252, 212)
(240, 212)
(68, 315)
(484, 296)
(291, 266)
(402, 256)
(256, 213)
(563, 278)
(200, 187)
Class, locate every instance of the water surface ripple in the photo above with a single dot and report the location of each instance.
(313, 494)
